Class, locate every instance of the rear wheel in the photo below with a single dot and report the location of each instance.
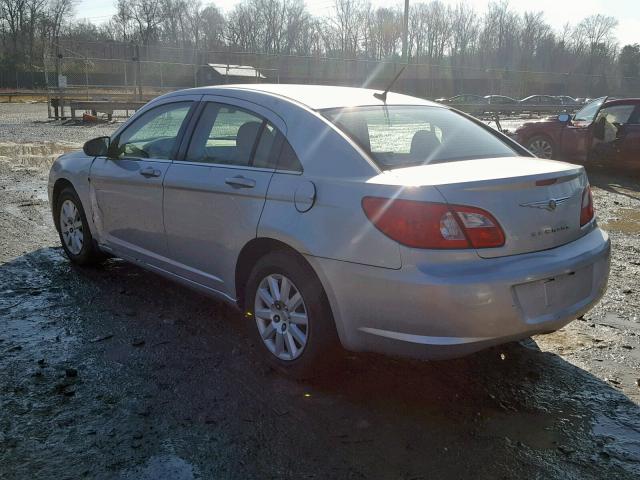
(293, 322)
(73, 229)
(541, 146)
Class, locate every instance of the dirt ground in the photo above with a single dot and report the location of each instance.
(114, 372)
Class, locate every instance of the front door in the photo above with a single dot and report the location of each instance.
(576, 139)
(126, 187)
(577, 135)
(215, 195)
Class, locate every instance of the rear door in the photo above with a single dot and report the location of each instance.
(126, 187)
(611, 135)
(213, 197)
(629, 144)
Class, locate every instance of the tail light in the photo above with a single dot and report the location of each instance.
(586, 209)
(433, 225)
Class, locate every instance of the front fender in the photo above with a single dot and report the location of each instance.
(75, 168)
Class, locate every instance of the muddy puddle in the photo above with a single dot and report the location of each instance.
(34, 155)
(627, 221)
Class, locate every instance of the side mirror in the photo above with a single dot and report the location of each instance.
(97, 147)
(564, 117)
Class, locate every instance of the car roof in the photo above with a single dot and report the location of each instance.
(316, 97)
(622, 101)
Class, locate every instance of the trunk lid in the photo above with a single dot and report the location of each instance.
(537, 202)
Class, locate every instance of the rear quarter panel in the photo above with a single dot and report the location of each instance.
(336, 226)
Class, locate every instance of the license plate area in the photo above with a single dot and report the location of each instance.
(542, 299)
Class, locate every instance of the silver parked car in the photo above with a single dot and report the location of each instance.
(333, 216)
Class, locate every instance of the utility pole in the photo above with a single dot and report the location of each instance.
(405, 33)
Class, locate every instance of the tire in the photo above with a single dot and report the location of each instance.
(541, 146)
(73, 229)
(320, 349)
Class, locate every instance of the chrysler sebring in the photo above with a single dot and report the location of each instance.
(337, 216)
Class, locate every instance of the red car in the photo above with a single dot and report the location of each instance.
(603, 133)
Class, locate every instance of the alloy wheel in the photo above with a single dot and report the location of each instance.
(71, 227)
(281, 317)
(541, 148)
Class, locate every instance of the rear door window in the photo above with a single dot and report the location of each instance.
(609, 121)
(225, 135)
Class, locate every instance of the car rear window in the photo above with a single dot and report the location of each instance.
(400, 136)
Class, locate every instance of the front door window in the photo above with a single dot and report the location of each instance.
(154, 134)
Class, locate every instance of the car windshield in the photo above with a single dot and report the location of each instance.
(399, 136)
(588, 112)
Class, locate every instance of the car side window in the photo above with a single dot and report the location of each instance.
(263, 158)
(225, 135)
(285, 157)
(154, 134)
(609, 121)
(617, 114)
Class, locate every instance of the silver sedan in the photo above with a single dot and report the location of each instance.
(337, 216)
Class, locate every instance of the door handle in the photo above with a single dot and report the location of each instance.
(150, 172)
(240, 182)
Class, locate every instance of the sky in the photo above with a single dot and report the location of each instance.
(557, 12)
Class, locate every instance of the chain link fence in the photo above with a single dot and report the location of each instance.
(431, 81)
(100, 71)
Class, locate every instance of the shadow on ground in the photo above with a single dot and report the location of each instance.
(113, 372)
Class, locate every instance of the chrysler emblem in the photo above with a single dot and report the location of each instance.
(549, 205)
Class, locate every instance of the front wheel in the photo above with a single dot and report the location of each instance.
(541, 146)
(293, 322)
(73, 229)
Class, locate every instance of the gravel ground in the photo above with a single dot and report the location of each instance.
(113, 372)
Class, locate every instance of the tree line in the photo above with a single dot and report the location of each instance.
(456, 36)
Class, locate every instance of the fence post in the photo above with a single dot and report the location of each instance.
(86, 76)
(46, 83)
(138, 72)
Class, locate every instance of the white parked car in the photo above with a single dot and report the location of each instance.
(333, 216)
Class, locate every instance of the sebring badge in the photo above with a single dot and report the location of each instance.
(549, 205)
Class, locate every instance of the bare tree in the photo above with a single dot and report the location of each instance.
(146, 15)
(213, 25)
(464, 32)
(347, 21)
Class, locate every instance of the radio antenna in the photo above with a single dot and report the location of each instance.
(383, 96)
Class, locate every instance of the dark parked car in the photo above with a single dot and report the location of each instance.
(501, 100)
(464, 99)
(540, 100)
(604, 132)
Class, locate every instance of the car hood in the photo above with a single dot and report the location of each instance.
(547, 122)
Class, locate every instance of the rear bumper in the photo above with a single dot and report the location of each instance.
(449, 310)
